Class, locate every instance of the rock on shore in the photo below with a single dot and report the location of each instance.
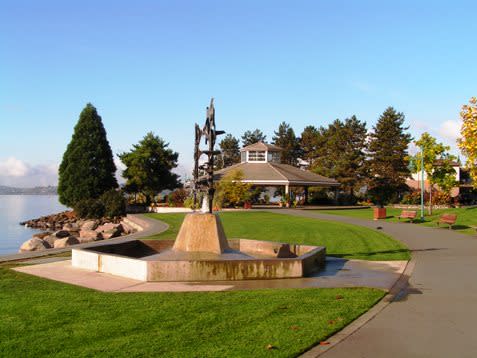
(64, 230)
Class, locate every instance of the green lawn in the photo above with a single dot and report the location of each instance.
(466, 217)
(341, 240)
(43, 318)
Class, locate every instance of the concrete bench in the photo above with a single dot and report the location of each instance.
(408, 214)
(448, 219)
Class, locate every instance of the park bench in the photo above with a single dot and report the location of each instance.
(408, 214)
(448, 219)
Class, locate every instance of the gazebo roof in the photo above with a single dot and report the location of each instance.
(271, 174)
(261, 146)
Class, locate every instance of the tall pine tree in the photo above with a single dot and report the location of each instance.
(309, 143)
(149, 167)
(229, 147)
(388, 157)
(250, 137)
(87, 169)
(285, 138)
(340, 152)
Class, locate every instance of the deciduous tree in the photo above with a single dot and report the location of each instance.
(468, 142)
(437, 164)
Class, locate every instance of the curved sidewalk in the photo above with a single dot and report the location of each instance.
(149, 227)
(436, 315)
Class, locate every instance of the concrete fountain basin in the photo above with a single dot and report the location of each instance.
(243, 259)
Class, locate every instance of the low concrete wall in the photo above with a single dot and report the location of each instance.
(110, 259)
(167, 210)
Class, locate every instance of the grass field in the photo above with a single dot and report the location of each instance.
(466, 217)
(42, 318)
(341, 240)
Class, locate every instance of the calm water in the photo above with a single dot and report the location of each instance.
(16, 208)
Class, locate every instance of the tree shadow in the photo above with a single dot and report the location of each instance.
(374, 253)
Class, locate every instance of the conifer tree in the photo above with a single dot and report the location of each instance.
(340, 152)
(250, 137)
(87, 169)
(309, 143)
(149, 167)
(229, 147)
(388, 157)
(285, 138)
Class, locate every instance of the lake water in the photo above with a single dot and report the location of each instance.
(16, 208)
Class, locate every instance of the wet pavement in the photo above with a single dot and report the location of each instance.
(337, 273)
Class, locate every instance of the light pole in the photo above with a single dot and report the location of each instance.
(422, 183)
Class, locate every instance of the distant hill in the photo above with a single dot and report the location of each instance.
(38, 190)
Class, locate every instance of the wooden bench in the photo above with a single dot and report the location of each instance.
(448, 219)
(408, 214)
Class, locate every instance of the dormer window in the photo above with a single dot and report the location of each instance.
(260, 153)
(256, 156)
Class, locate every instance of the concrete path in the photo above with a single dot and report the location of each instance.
(436, 315)
(149, 227)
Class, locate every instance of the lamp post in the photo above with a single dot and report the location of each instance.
(422, 183)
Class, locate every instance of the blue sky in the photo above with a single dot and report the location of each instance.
(153, 66)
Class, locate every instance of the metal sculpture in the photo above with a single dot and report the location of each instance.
(210, 134)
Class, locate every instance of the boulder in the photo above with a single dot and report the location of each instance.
(110, 230)
(71, 227)
(34, 244)
(90, 234)
(62, 234)
(65, 242)
(50, 239)
(42, 235)
(127, 229)
(89, 225)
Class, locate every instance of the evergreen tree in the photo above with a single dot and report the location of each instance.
(285, 138)
(230, 151)
(309, 143)
(149, 165)
(87, 169)
(340, 152)
(250, 137)
(388, 157)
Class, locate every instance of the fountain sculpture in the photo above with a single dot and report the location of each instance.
(201, 251)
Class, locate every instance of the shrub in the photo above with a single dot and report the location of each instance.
(231, 191)
(179, 196)
(89, 209)
(114, 203)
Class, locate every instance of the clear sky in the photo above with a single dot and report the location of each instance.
(153, 66)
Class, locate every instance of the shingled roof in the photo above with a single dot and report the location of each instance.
(261, 146)
(277, 174)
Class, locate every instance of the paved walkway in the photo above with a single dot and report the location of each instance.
(436, 316)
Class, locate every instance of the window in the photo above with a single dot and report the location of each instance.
(256, 156)
(274, 157)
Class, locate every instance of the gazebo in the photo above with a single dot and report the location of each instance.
(260, 165)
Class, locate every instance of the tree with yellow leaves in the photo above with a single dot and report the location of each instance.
(468, 142)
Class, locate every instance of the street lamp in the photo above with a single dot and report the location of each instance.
(422, 183)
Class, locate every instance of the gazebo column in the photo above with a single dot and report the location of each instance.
(306, 195)
(287, 189)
